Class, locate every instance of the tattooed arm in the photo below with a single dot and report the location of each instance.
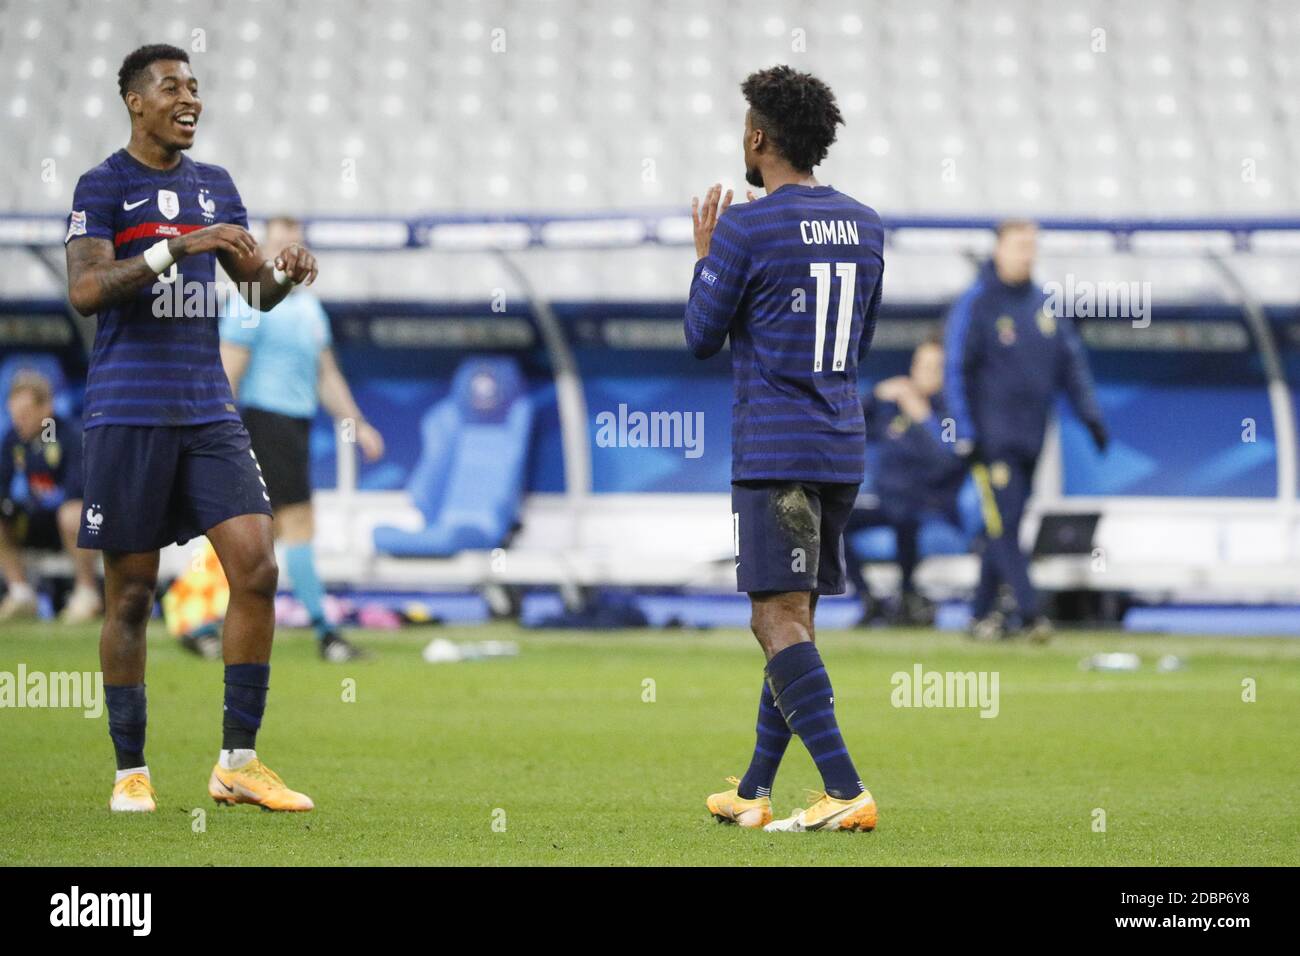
(97, 280)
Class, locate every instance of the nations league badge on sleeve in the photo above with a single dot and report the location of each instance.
(76, 225)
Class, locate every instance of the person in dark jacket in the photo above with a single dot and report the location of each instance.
(1008, 356)
(40, 499)
(917, 475)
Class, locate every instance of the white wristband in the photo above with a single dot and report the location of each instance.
(159, 258)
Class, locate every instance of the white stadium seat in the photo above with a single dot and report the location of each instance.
(952, 106)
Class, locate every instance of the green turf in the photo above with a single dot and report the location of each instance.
(417, 769)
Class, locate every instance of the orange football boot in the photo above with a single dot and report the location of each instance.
(255, 783)
(133, 794)
(827, 813)
(730, 807)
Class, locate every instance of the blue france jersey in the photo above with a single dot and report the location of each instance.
(795, 279)
(156, 358)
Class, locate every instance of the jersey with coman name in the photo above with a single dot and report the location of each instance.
(794, 278)
(156, 358)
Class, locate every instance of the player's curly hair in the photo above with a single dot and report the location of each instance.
(137, 60)
(797, 110)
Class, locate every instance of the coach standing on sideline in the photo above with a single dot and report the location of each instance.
(1007, 356)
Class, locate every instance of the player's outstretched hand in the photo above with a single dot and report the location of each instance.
(224, 237)
(705, 216)
(297, 262)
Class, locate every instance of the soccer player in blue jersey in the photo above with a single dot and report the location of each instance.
(279, 362)
(794, 280)
(166, 456)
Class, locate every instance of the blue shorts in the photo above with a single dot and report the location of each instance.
(148, 486)
(789, 535)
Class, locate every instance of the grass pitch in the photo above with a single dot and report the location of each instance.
(558, 757)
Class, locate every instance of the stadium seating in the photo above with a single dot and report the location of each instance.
(574, 103)
(468, 483)
(998, 106)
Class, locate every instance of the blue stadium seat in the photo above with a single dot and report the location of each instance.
(469, 479)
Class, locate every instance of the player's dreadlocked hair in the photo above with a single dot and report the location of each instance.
(138, 60)
(797, 110)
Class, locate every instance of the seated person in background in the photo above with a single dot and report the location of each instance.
(918, 475)
(45, 452)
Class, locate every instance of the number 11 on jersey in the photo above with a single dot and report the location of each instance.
(846, 272)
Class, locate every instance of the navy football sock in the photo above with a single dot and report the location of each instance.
(769, 747)
(803, 694)
(246, 686)
(126, 724)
